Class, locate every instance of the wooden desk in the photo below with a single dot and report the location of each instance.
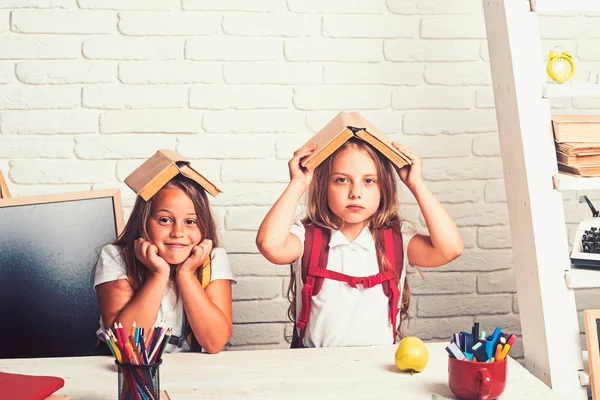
(331, 373)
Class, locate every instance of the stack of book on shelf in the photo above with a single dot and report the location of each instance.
(577, 139)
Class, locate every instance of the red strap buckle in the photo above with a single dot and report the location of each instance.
(394, 298)
(307, 290)
(366, 281)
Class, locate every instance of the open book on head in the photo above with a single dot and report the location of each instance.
(159, 169)
(345, 126)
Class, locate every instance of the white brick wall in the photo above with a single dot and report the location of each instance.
(128, 5)
(284, 25)
(160, 23)
(280, 73)
(235, 5)
(169, 72)
(48, 121)
(156, 121)
(370, 26)
(90, 88)
(132, 48)
(230, 48)
(222, 97)
(62, 21)
(20, 47)
(66, 72)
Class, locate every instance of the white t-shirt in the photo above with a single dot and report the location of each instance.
(341, 315)
(111, 266)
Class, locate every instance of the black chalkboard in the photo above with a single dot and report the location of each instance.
(48, 248)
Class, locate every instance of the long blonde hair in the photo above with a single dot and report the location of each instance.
(318, 213)
(136, 227)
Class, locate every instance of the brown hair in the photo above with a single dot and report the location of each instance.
(318, 213)
(136, 227)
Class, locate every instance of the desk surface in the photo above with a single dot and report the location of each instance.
(330, 373)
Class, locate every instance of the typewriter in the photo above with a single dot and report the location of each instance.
(586, 245)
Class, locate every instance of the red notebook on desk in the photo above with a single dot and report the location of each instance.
(28, 387)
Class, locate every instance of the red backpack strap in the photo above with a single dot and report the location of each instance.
(316, 253)
(394, 253)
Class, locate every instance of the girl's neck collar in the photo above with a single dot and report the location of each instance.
(351, 232)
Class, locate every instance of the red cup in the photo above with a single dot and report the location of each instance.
(476, 380)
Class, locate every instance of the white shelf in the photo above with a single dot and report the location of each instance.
(582, 278)
(569, 89)
(584, 376)
(570, 182)
(561, 6)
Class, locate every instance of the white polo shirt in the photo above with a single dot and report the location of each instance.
(341, 315)
(111, 266)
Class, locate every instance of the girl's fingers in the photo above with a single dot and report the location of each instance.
(199, 254)
(305, 153)
(407, 152)
(206, 244)
(204, 248)
(151, 250)
(202, 253)
(402, 147)
(297, 156)
(194, 252)
(305, 150)
(295, 163)
(301, 155)
(309, 146)
(137, 248)
(409, 155)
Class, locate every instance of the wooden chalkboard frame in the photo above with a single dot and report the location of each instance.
(113, 196)
(592, 327)
(72, 196)
(4, 192)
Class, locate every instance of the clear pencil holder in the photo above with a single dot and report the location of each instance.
(139, 382)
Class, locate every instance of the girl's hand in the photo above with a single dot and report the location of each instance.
(147, 253)
(411, 175)
(297, 173)
(196, 257)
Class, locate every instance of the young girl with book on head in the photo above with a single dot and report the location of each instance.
(156, 271)
(350, 252)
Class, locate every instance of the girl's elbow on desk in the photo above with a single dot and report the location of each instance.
(214, 347)
(214, 350)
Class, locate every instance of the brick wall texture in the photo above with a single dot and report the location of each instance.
(90, 88)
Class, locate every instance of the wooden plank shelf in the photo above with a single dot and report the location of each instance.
(570, 89)
(584, 375)
(578, 278)
(584, 378)
(564, 6)
(565, 182)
